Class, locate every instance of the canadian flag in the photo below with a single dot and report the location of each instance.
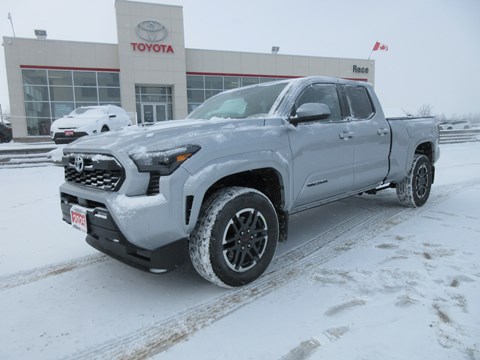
(379, 46)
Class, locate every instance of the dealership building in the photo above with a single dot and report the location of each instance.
(149, 72)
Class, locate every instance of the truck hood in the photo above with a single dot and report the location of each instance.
(166, 135)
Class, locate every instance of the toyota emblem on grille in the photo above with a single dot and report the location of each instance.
(78, 163)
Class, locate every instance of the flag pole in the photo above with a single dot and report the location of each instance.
(371, 52)
(11, 22)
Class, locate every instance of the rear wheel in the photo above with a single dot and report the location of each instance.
(414, 189)
(235, 237)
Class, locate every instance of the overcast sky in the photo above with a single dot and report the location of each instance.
(434, 45)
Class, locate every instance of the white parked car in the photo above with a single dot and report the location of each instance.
(455, 125)
(88, 120)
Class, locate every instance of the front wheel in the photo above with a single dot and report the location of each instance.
(414, 189)
(235, 237)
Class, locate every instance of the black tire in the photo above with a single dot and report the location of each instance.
(105, 128)
(414, 189)
(235, 238)
(5, 137)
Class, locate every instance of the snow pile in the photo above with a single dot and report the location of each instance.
(56, 154)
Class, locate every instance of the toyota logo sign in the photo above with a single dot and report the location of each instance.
(151, 31)
(78, 163)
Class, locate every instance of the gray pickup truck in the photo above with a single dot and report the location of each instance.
(219, 187)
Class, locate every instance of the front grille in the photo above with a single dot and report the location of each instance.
(102, 172)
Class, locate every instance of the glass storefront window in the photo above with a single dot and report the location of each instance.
(214, 82)
(267, 79)
(84, 78)
(61, 93)
(249, 81)
(35, 93)
(34, 77)
(61, 109)
(108, 79)
(78, 104)
(139, 112)
(60, 78)
(210, 93)
(196, 96)
(195, 82)
(110, 103)
(154, 103)
(156, 90)
(38, 126)
(154, 98)
(86, 94)
(108, 94)
(38, 118)
(232, 82)
(37, 109)
(50, 94)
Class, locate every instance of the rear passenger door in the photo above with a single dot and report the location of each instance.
(372, 138)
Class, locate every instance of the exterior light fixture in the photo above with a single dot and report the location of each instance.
(41, 34)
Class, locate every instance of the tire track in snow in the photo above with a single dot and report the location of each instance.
(157, 337)
(44, 272)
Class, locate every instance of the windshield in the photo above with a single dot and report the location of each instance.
(85, 112)
(249, 102)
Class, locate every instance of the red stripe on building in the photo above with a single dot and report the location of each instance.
(39, 67)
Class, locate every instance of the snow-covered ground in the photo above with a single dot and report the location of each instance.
(363, 278)
(13, 145)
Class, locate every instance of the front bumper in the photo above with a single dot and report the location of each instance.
(63, 138)
(105, 235)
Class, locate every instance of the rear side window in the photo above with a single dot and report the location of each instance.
(359, 102)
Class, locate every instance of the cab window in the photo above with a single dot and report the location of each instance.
(359, 102)
(323, 94)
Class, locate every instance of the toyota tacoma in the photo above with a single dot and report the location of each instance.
(219, 186)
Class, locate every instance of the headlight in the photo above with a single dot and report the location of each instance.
(164, 162)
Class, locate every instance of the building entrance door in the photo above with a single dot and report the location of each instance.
(154, 112)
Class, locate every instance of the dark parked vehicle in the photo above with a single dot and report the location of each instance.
(5, 132)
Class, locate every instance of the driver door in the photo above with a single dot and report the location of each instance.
(323, 151)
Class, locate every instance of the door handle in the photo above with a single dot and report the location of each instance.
(345, 135)
(382, 132)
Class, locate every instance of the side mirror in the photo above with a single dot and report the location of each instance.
(311, 112)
